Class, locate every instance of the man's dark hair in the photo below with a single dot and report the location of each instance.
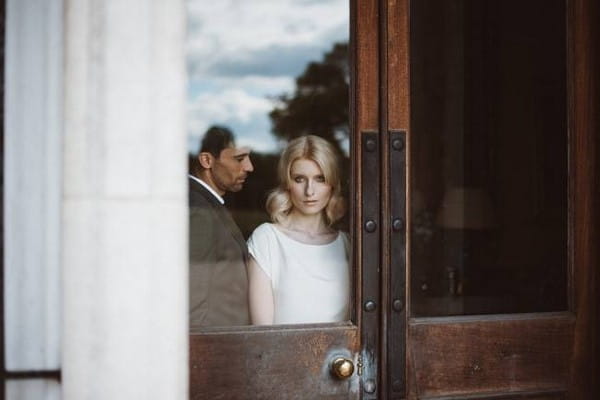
(216, 139)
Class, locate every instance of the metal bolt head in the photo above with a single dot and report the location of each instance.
(370, 144)
(370, 306)
(370, 226)
(398, 144)
(397, 224)
(398, 305)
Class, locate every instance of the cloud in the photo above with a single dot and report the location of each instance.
(274, 60)
(229, 105)
(253, 85)
(259, 32)
(241, 53)
(245, 114)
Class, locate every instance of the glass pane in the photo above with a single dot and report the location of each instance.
(489, 156)
(267, 73)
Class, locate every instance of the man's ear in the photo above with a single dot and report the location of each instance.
(206, 159)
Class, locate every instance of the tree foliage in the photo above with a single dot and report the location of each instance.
(319, 104)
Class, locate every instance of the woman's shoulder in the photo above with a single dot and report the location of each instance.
(343, 235)
(345, 239)
(266, 229)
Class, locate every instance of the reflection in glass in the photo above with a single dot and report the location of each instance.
(267, 72)
(489, 152)
(299, 269)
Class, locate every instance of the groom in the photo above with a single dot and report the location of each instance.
(217, 250)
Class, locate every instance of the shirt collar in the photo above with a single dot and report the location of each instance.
(207, 187)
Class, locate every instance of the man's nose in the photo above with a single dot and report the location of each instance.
(248, 167)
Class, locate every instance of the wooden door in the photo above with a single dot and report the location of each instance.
(295, 361)
(497, 101)
(458, 343)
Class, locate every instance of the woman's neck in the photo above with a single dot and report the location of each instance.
(309, 229)
(310, 224)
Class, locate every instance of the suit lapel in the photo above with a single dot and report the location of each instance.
(224, 214)
(233, 228)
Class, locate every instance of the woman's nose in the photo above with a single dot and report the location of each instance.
(309, 190)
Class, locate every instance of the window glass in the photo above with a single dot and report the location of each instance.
(267, 74)
(489, 153)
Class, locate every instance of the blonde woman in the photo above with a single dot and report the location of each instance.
(299, 270)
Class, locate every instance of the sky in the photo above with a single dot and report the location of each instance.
(241, 54)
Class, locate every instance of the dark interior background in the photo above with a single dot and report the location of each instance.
(488, 120)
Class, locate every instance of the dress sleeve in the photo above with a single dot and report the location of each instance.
(259, 248)
(347, 243)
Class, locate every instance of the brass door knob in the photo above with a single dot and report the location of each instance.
(342, 367)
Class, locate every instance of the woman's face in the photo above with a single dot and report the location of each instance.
(308, 191)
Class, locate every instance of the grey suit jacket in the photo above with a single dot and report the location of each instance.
(218, 263)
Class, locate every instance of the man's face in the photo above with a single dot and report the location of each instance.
(230, 170)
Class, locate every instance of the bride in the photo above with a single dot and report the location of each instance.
(299, 266)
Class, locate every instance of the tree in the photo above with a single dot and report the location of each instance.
(319, 105)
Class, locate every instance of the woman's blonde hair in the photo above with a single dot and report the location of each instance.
(314, 148)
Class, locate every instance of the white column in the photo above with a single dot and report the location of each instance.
(125, 203)
(32, 186)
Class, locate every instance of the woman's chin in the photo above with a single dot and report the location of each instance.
(309, 211)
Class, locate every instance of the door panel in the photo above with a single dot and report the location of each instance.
(288, 363)
(538, 395)
(498, 354)
(503, 356)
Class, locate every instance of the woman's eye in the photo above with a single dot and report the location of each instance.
(298, 179)
(320, 178)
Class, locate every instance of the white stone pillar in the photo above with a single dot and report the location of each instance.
(125, 203)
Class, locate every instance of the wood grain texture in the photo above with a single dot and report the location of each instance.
(398, 65)
(367, 66)
(584, 64)
(489, 355)
(536, 395)
(292, 363)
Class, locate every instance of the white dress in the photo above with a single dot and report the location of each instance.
(311, 283)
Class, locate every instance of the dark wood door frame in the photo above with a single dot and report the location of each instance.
(584, 84)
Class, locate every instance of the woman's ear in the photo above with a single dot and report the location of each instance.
(205, 159)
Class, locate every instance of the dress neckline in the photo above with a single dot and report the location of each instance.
(288, 237)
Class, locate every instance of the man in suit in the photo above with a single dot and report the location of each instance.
(217, 250)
